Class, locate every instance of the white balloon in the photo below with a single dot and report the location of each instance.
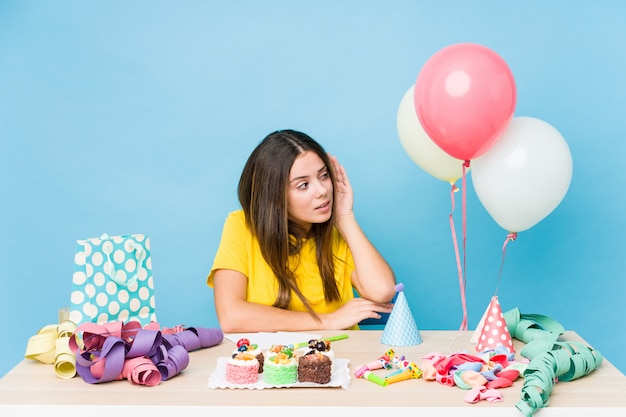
(420, 147)
(524, 176)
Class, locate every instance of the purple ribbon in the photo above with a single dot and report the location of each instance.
(166, 353)
(106, 364)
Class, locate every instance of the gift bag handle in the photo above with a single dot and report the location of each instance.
(140, 256)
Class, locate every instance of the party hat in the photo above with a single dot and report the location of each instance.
(401, 329)
(479, 328)
(493, 329)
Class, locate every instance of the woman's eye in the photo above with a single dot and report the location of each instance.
(302, 185)
(324, 175)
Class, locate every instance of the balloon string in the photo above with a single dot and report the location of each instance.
(458, 259)
(509, 238)
(466, 165)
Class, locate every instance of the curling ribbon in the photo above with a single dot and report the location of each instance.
(466, 165)
(529, 327)
(141, 371)
(568, 361)
(144, 356)
(550, 360)
(509, 238)
(456, 253)
(51, 345)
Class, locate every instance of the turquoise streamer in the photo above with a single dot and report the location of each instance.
(550, 360)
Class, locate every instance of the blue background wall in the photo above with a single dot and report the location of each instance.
(137, 116)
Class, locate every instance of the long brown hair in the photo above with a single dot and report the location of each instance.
(262, 194)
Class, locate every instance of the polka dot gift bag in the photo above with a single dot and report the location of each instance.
(112, 280)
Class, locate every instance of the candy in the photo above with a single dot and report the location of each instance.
(282, 350)
(243, 342)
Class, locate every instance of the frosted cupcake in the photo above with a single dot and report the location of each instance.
(244, 345)
(316, 364)
(281, 366)
(242, 368)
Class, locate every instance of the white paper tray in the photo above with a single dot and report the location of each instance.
(339, 377)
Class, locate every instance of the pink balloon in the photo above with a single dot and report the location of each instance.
(465, 97)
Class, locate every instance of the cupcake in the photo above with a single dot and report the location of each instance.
(281, 366)
(244, 345)
(242, 368)
(316, 364)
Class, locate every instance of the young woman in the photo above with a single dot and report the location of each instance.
(290, 259)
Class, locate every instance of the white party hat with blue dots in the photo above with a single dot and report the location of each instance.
(401, 329)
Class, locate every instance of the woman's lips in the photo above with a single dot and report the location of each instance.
(324, 207)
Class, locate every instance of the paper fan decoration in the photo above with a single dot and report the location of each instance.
(401, 329)
(492, 330)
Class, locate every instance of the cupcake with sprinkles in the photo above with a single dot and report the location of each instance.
(281, 366)
(244, 345)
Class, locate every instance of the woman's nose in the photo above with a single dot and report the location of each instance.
(321, 189)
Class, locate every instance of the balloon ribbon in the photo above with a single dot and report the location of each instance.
(460, 269)
(509, 238)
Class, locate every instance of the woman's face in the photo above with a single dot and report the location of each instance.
(309, 191)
